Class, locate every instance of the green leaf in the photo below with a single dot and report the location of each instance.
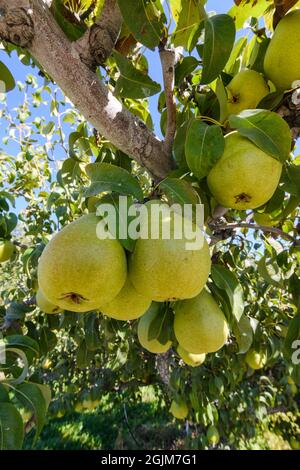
(31, 396)
(268, 269)
(185, 68)
(47, 340)
(91, 329)
(203, 147)
(11, 427)
(132, 83)
(265, 129)
(122, 220)
(188, 14)
(291, 179)
(7, 81)
(179, 191)
(228, 282)
(25, 343)
(4, 397)
(161, 325)
(84, 356)
(218, 44)
(71, 26)
(244, 334)
(246, 9)
(106, 178)
(144, 19)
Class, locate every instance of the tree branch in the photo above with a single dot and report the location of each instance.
(96, 45)
(167, 58)
(274, 230)
(29, 23)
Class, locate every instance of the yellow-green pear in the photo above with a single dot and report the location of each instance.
(213, 435)
(128, 305)
(190, 359)
(200, 326)
(282, 65)
(45, 305)
(256, 360)
(179, 409)
(153, 345)
(7, 249)
(245, 91)
(80, 270)
(244, 177)
(169, 267)
(295, 443)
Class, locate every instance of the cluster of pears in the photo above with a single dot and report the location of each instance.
(80, 272)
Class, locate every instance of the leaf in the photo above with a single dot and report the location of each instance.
(269, 271)
(245, 9)
(144, 19)
(244, 334)
(7, 81)
(265, 129)
(4, 397)
(11, 427)
(293, 335)
(161, 325)
(84, 356)
(188, 14)
(16, 311)
(185, 68)
(91, 329)
(68, 22)
(132, 83)
(218, 44)
(179, 191)
(25, 343)
(106, 178)
(203, 147)
(47, 340)
(31, 396)
(228, 282)
(291, 179)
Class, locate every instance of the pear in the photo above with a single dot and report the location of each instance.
(244, 177)
(128, 305)
(256, 360)
(79, 271)
(7, 249)
(193, 360)
(179, 409)
(45, 305)
(153, 345)
(281, 64)
(200, 326)
(245, 91)
(165, 269)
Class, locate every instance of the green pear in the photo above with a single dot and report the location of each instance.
(128, 305)
(45, 305)
(179, 409)
(153, 345)
(244, 177)
(165, 269)
(245, 91)
(193, 360)
(256, 360)
(200, 326)
(78, 271)
(212, 435)
(7, 249)
(282, 64)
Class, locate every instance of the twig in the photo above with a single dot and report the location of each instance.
(167, 58)
(128, 426)
(274, 230)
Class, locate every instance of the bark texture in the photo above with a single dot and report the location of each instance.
(29, 24)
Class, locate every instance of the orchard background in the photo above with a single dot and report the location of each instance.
(147, 101)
